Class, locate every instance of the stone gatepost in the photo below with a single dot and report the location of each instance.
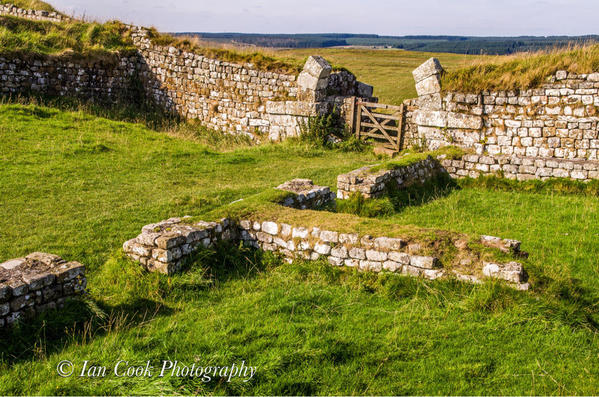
(428, 84)
(313, 80)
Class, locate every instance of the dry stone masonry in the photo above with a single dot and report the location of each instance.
(36, 15)
(373, 184)
(552, 131)
(233, 98)
(164, 246)
(103, 80)
(239, 98)
(306, 194)
(36, 283)
(521, 167)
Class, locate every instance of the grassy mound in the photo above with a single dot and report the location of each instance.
(25, 37)
(521, 71)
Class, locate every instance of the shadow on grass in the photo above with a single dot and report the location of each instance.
(79, 321)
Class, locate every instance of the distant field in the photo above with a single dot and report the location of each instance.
(389, 71)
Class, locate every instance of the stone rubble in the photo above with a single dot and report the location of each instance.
(306, 194)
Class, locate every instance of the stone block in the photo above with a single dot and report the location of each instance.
(270, 228)
(465, 121)
(317, 67)
(430, 85)
(374, 255)
(424, 262)
(431, 118)
(429, 68)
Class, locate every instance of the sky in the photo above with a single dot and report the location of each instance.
(384, 17)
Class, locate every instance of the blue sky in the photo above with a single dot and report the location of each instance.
(387, 17)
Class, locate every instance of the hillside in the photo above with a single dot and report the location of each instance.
(310, 328)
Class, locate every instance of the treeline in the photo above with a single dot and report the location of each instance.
(452, 44)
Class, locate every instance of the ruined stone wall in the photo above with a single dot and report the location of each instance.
(229, 97)
(521, 168)
(37, 283)
(108, 79)
(239, 98)
(36, 15)
(373, 184)
(164, 247)
(558, 120)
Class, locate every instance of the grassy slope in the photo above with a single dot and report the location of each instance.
(80, 186)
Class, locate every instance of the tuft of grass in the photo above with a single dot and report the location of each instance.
(521, 71)
(259, 59)
(409, 157)
(22, 37)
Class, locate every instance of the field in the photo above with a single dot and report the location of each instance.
(79, 186)
(389, 71)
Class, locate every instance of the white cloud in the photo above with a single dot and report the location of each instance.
(391, 17)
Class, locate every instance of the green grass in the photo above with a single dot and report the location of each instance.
(79, 186)
(24, 37)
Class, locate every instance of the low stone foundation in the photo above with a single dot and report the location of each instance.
(37, 283)
(340, 249)
(373, 185)
(307, 195)
(163, 247)
(521, 168)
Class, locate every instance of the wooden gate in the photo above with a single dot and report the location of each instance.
(385, 128)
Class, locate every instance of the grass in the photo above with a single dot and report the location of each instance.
(521, 71)
(412, 157)
(78, 185)
(21, 37)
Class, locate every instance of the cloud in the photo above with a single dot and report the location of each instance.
(391, 17)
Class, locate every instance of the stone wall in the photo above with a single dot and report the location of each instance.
(373, 184)
(559, 119)
(229, 97)
(306, 194)
(521, 168)
(109, 79)
(37, 283)
(164, 247)
(239, 98)
(36, 15)
(551, 131)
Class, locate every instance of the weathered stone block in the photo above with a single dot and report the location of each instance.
(424, 262)
(430, 85)
(429, 68)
